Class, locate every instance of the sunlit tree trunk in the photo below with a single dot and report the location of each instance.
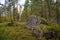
(0, 13)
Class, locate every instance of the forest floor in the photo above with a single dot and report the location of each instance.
(16, 32)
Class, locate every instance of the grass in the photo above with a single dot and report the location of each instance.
(14, 33)
(19, 32)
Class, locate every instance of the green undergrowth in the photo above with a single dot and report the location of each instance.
(20, 33)
(15, 33)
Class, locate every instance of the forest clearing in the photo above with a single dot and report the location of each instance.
(30, 20)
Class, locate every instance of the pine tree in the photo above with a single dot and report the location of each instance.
(25, 11)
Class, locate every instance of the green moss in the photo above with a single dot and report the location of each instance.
(20, 33)
(15, 33)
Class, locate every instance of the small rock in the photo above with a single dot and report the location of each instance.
(48, 34)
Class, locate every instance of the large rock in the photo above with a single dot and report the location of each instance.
(32, 21)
